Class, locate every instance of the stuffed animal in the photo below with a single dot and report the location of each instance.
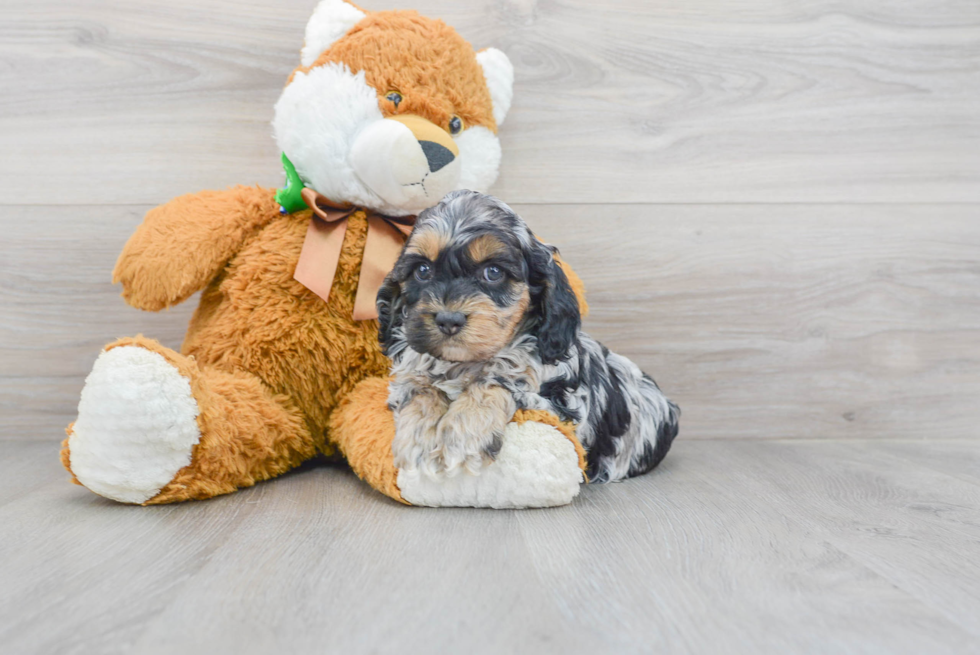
(386, 113)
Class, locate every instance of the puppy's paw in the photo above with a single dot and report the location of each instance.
(472, 430)
(416, 444)
(466, 444)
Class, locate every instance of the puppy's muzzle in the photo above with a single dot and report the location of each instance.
(450, 323)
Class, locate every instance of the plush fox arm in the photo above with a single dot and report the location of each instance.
(184, 243)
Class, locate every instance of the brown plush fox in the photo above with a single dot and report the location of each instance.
(387, 112)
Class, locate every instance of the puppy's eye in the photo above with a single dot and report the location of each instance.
(455, 125)
(394, 97)
(423, 272)
(493, 274)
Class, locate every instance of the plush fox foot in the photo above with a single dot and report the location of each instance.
(155, 427)
(540, 463)
(136, 427)
(537, 466)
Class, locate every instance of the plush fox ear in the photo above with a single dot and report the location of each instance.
(499, 73)
(330, 20)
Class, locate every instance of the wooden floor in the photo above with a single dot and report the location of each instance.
(730, 547)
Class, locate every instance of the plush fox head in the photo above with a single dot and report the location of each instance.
(391, 110)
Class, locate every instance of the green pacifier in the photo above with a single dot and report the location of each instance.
(290, 197)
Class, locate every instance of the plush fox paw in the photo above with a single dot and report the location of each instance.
(537, 466)
(136, 427)
(540, 462)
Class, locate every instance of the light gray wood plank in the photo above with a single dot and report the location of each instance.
(745, 101)
(883, 511)
(705, 538)
(58, 308)
(961, 459)
(374, 578)
(789, 320)
(735, 547)
(83, 574)
(760, 320)
(28, 467)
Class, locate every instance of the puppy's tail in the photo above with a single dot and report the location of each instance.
(660, 418)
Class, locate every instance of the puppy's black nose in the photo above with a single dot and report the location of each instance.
(449, 323)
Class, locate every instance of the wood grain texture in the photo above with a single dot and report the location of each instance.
(731, 546)
(111, 102)
(58, 308)
(789, 320)
(763, 321)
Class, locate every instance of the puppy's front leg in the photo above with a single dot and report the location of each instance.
(415, 444)
(472, 430)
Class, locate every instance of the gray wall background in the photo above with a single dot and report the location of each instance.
(775, 206)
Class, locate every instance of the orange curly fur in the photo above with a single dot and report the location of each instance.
(365, 429)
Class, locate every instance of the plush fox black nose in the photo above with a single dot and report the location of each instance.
(437, 155)
(449, 323)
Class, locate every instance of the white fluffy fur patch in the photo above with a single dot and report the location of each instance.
(330, 20)
(499, 73)
(536, 467)
(136, 427)
(479, 153)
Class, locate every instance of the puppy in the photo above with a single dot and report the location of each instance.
(479, 321)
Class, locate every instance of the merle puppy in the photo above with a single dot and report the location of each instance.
(479, 320)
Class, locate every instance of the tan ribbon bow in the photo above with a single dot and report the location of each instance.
(325, 238)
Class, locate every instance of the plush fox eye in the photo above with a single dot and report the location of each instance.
(492, 274)
(455, 125)
(423, 272)
(394, 97)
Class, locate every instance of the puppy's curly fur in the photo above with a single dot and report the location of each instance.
(479, 321)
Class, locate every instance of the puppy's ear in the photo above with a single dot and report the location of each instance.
(557, 308)
(390, 316)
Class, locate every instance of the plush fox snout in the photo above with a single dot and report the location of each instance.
(407, 160)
